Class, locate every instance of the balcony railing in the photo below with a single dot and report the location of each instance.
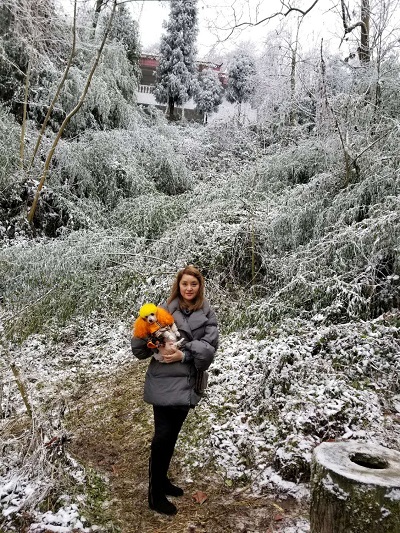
(148, 89)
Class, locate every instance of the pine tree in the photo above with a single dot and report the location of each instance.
(241, 72)
(175, 74)
(208, 93)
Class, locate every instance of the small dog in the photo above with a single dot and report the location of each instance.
(157, 326)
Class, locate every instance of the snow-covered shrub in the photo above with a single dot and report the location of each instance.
(109, 100)
(159, 152)
(241, 77)
(206, 243)
(149, 216)
(229, 139)
(64, 278)
(271, 401)
(208, 92)
(9, 138)
(12, 190)
(21, 43)
(110, 272)
(216, 233)
(294, 165)
(389, 87)
(125, 30)
(341, 282)
(97, 172)
(103, 167)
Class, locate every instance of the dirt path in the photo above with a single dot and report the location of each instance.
(113, 429)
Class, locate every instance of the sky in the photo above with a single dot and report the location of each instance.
(215, 15)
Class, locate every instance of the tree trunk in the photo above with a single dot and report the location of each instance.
(364, 52)
(292, 113)
(99, 5)
(171, 107)
(24, 116)
(293, 66)
(355, 488)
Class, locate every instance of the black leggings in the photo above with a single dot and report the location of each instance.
(167, 425)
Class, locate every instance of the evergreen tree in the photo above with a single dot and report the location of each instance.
(241, 72)
(126, 31)
(175, 74)
(208, 93)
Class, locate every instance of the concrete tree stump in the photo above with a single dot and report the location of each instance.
(355, 488)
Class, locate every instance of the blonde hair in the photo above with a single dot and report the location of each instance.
(190, 270)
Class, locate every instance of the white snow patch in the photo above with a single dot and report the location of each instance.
(394, 494)
(334, 489)
(269, 401)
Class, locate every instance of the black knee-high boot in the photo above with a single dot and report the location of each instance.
(157, 475)
(167, 424)
(168, 488)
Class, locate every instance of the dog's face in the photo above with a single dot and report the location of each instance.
(170, 344)
(151, 318)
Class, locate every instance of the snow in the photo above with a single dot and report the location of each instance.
(330, 486)
(396, 403)
(394, 494)
(275, 400)
(337, 457)
(269, 403)
(63, 521)
(85, 347)
(302, 526)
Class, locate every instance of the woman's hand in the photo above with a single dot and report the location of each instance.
(170, 353)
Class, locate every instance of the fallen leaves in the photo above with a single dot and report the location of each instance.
(278, 507)
(199, 497)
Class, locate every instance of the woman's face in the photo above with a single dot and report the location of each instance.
(189, 287)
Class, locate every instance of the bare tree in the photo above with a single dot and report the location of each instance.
(235, 22)
(97, 10)
(31, 41)
(59, 88)
(385, 42)
(364, 52)
(71, 114)
(293, 65)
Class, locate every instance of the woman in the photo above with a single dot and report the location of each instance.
(171, 385)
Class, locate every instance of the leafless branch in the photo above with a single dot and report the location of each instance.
(385, 134)
(24, 116)
(59, 88)
(346, 154)
(285, 11)
(70, 115)
(345, 18)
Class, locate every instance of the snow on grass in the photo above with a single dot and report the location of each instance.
(51, 368)
(269, 403)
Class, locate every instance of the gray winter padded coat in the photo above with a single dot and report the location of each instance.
(172, 384)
